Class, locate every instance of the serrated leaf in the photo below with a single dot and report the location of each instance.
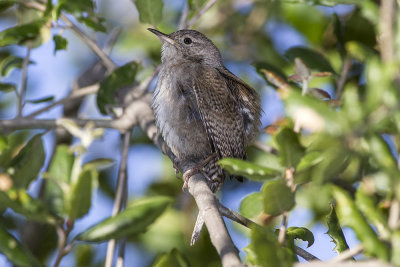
(172, 258)
(21, 34)
(41, 100)
(122, 76)
(335, 231)
(150, 11)
(15, 251)
(80, 195)
(350, 216)
(277, 198)
(248, 169)
(300, 233)
(60, 43)
(311, 58)
(264, 250)
(132, 221)
(27, 164)
(22, 203)
(7, 87)
(252, 205)
(290, 149)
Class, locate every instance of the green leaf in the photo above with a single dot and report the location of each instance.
(277, 198)
(300, 233)
(21, 34)
(172, 258)
(15, 251)
(248, 169)
(74, 6)
(311, 58)
(381, 153)
(21, 202)
(150, 11)
(61, 164)
(290, 149)
(335, 231)
(264, 250)
(60, 43)
(80, 195)
(94, 22)
(132, 221)
(350, 216)
(11, 62)
(370, 210)
(98, 164)
(359, 29)
(252, 205)
(122, 76)
(7, 87)
(27, 164)
(11, 145)
(41, 100)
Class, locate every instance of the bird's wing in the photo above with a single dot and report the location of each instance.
(220, 113)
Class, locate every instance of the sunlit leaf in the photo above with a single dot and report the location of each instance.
(290, 149)
(277, 198)
(350, 216)
(21, 34)
(264, 250)
(21, 202)
(370, 210)
(248, 169)
(74, 6)
(150, 11)
(122, 76)
(252, 205)
(80, 195)
(172, 258)
(134, 220)
(15, 251)
(11, 62)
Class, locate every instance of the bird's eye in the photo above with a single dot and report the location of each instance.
(187, 41)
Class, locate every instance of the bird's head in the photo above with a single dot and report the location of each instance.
(188, 45)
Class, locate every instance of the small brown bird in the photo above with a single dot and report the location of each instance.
(203, 111)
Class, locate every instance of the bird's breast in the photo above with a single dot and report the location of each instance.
(177, 115)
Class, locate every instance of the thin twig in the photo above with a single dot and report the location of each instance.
(198, 15)
(108, 63)
(92, 89)
(346, 66)
(282, 230)
(265, 147)
(183, 19)
(120, 194)
(386, 19)
(63, 247)
(24, 79)
(236, 217)
(347, 254)
(304, 254)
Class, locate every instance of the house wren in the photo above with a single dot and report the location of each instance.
(203, 111)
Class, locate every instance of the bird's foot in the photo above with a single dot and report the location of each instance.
(198, 168)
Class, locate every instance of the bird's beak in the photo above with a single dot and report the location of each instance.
(163, 37)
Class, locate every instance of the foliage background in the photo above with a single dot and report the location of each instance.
(355, 146)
